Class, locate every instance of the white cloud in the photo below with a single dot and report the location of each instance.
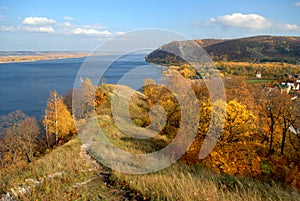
(37, 24)
(38, 21)
(41, 29)
(91, 32)
(67, 24)
(47, 25)
(239, 20)
(290, 27)
(297, 3)
(7, 28)
(68, 18)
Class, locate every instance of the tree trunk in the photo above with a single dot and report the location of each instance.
(284, 131)
(47, 134)
(28, 158)
(282, 141)
(271, 137)
(56, 121)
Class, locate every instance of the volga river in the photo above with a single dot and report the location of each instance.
(25, 86)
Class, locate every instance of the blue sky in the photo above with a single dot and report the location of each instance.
(83, 25)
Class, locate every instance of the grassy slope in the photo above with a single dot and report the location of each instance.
(182, 182)
(62, 175)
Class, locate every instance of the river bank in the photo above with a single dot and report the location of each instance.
(41, 56)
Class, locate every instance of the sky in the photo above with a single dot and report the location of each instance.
(65, 25)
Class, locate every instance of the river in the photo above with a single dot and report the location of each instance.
(25, 86)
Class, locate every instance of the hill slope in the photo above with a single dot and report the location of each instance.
(66, 173)
(257, 48)
(69, 173)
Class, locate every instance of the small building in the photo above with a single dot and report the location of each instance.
(258, 75)
(291, 84)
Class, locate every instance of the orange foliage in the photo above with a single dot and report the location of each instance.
(246, 154)
(235, 159)
(100, 97)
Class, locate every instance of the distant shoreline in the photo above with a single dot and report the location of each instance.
(48, 56)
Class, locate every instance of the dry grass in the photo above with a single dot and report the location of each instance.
(61, 175)
(64, 175)
(180, 182)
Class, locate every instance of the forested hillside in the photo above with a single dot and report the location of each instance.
(252, 49)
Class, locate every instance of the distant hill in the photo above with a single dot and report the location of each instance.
(251, 49)
(209, 42)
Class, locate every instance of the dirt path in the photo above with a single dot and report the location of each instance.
(118, 190)
(69, 173)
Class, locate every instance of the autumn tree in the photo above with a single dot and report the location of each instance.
(28, 131)
(187, 71)
(259, 105)
(239, 122)
(294, 137)
(280, 115)
(10, 145)
(160, 95)
(237, 89)
(287, 117)
(88, 92)
(201, 91)
(100, 97)
(234, 153)
(58, 119)
(69, 96)
(20, 137)
(84, 99)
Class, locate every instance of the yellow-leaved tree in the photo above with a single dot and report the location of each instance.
(58, 119)
(235, 152)
(239, 124)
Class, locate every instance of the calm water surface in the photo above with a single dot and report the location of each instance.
(26, 86)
